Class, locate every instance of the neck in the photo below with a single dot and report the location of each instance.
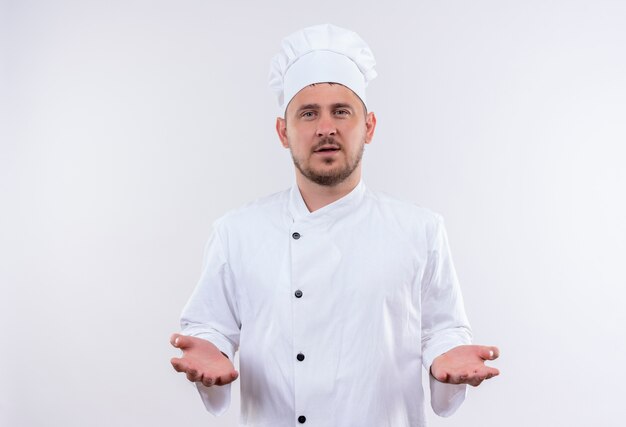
(317, 196)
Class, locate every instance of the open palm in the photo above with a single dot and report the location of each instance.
(465, 364)
(202, 361)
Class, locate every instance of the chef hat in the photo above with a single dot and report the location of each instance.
(322, 53)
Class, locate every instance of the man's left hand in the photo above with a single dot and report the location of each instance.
(465, 364)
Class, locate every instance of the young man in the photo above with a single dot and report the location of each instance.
(335, 295)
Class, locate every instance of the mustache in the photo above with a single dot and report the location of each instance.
(327, 141)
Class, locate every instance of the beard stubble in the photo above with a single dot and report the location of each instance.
(334, 176)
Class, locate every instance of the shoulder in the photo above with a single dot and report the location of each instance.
(265, 209)
(404, 219)
(403, 210)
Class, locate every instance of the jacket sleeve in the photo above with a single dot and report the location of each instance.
(212, 313)
(444, 323)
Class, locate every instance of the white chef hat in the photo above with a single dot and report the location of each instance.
(321, 53)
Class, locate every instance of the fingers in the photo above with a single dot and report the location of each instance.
(178, 364)
(489, 352)
(230, 378)
(181, 365)
(454, 378)
(173, 338)
(495, 353)
(209, 380)
(492, 372)
(473, 378)
(441, 376)
(192, 374)
(479, 376)
(206, 378)
(181, 341)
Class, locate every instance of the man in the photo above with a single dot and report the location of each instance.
(335, 295)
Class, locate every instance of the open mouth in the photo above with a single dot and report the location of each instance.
(329, 149)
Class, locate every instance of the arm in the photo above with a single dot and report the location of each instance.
(462, 364)
(210, 330)
(444, 323)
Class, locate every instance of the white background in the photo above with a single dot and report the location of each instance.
(127, 127)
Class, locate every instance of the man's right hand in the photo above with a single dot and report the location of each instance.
(202, 361)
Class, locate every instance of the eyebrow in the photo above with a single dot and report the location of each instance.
(308, 107)
(317, 106)
(342, 105)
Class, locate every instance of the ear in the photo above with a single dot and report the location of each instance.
(281, 130)
(370, 126)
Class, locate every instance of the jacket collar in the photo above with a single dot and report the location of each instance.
(335, 210)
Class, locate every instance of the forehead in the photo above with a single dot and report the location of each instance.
(324, 94)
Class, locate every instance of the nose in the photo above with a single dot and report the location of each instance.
(326, 126)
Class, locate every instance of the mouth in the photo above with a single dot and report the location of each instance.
(327, 149)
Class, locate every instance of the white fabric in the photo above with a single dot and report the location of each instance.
(321, 53)
(380, 299)
(323, 66)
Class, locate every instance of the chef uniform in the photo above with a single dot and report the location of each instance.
(334, 312)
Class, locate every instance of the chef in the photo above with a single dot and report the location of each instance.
(337, 297)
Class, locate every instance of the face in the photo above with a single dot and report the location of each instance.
(326, 129)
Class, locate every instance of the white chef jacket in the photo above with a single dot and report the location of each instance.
(334, 312)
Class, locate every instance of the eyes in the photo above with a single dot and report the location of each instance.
(311, 114)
